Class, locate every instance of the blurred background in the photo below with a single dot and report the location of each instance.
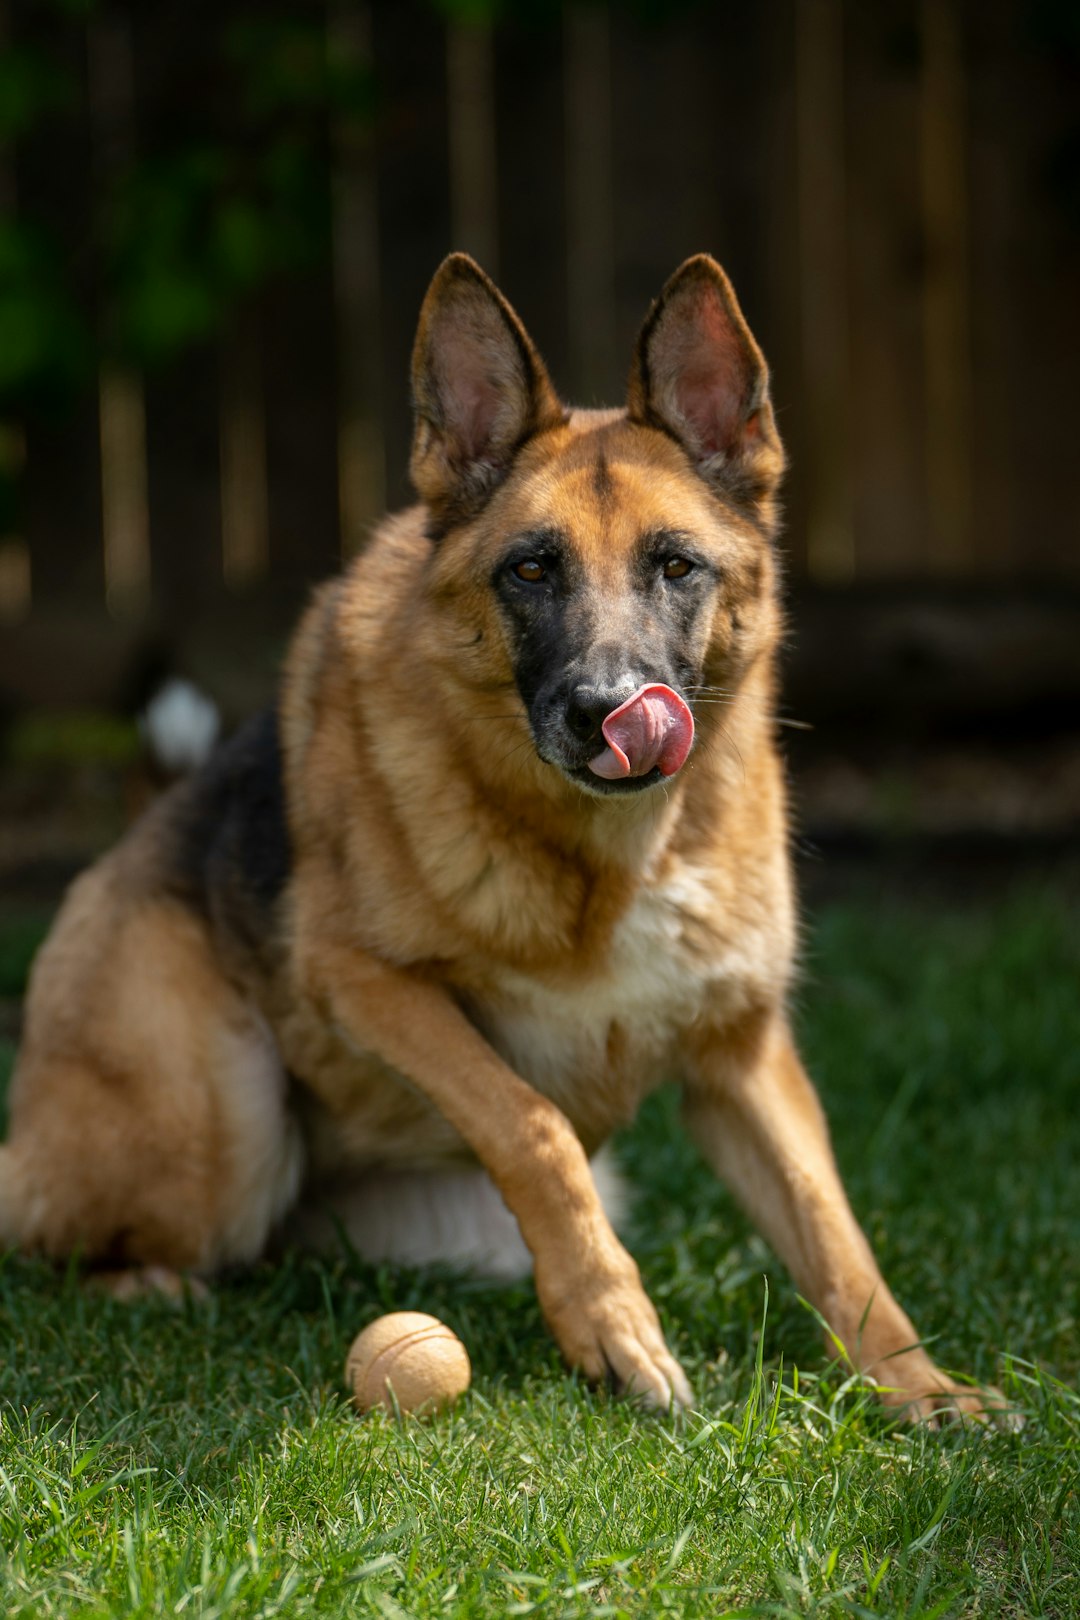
(218, 224)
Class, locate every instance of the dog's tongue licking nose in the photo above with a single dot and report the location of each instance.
(652, 728)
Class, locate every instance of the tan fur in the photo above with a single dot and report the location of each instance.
(476, 960)
(147, 1107)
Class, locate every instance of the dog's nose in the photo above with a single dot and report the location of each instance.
(589, 707)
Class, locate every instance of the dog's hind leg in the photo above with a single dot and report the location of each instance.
(148, 1118)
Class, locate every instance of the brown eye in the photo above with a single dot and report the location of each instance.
(677, 567)
(531, 571)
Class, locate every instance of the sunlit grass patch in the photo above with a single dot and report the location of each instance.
(202, 1461)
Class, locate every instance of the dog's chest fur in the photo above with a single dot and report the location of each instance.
(596, 1044)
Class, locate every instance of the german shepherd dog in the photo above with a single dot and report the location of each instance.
(511, 851)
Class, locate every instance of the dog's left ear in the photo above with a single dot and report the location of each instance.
(479, 391)
(699, 376)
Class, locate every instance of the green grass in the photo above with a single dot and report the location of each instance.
(202, 1462)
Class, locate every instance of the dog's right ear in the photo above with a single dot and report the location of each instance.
(479, 391)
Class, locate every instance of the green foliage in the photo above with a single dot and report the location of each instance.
(202, 1461)
(45, 347)
(71, 737)
(188, 235)
(31, 87)
(201, 216)
(20, 936)
(191, 231)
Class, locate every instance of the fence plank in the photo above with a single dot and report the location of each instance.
(183, 454)
(470, 68)
(995, 493)
(780, 325)
(590, 248)
(885, 219)
(299, 337)
(1036, 315)
(531, 131)
(670, 169)
(242, 430)
(946, 321)
(357, 295)
(415, 227)
(822, 163)
(125, 513)
(15, 570)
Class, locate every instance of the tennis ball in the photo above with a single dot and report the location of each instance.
(415, 1355)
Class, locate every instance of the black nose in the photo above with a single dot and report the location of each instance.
(589, 707)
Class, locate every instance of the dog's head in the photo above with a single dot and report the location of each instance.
(613, 566)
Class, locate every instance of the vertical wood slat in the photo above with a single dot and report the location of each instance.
(15, 564)
(885, 290)
(416, 227)
(589, 200)
(819, 91)
(946, 318)
(470, 90)
(532, 196)
(121, 405)
(781, 334)
(125, 523)
(993, 235)
(8, 196)
(675, 196)
(245, 518)
(15, 571)
(15, 581)
(361, 448)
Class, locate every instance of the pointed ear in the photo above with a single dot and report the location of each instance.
(699, 376)
(479, 391)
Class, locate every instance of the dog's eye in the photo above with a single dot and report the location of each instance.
(677, 567)
(531, 571)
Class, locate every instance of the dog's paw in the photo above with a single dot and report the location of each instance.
(959, 1403)
(148, 1282)
(607, 1325)
(920, 1392)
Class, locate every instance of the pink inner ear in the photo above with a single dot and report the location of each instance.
(475, 408)
(470, 393)
(711, 374)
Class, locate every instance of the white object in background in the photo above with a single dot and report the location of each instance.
(180, 726)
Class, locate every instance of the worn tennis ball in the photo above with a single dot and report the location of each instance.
(414, 1355)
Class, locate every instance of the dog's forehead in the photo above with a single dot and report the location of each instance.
(607, 481)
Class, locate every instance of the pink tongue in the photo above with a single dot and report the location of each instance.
(654, 727)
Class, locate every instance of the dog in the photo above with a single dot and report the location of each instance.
(510, 851)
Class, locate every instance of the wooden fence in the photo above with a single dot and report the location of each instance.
(884, 182)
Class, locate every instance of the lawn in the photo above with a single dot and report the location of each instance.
(203, 1461)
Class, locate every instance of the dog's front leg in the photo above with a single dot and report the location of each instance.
(759, 1122)
(589, 1287)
